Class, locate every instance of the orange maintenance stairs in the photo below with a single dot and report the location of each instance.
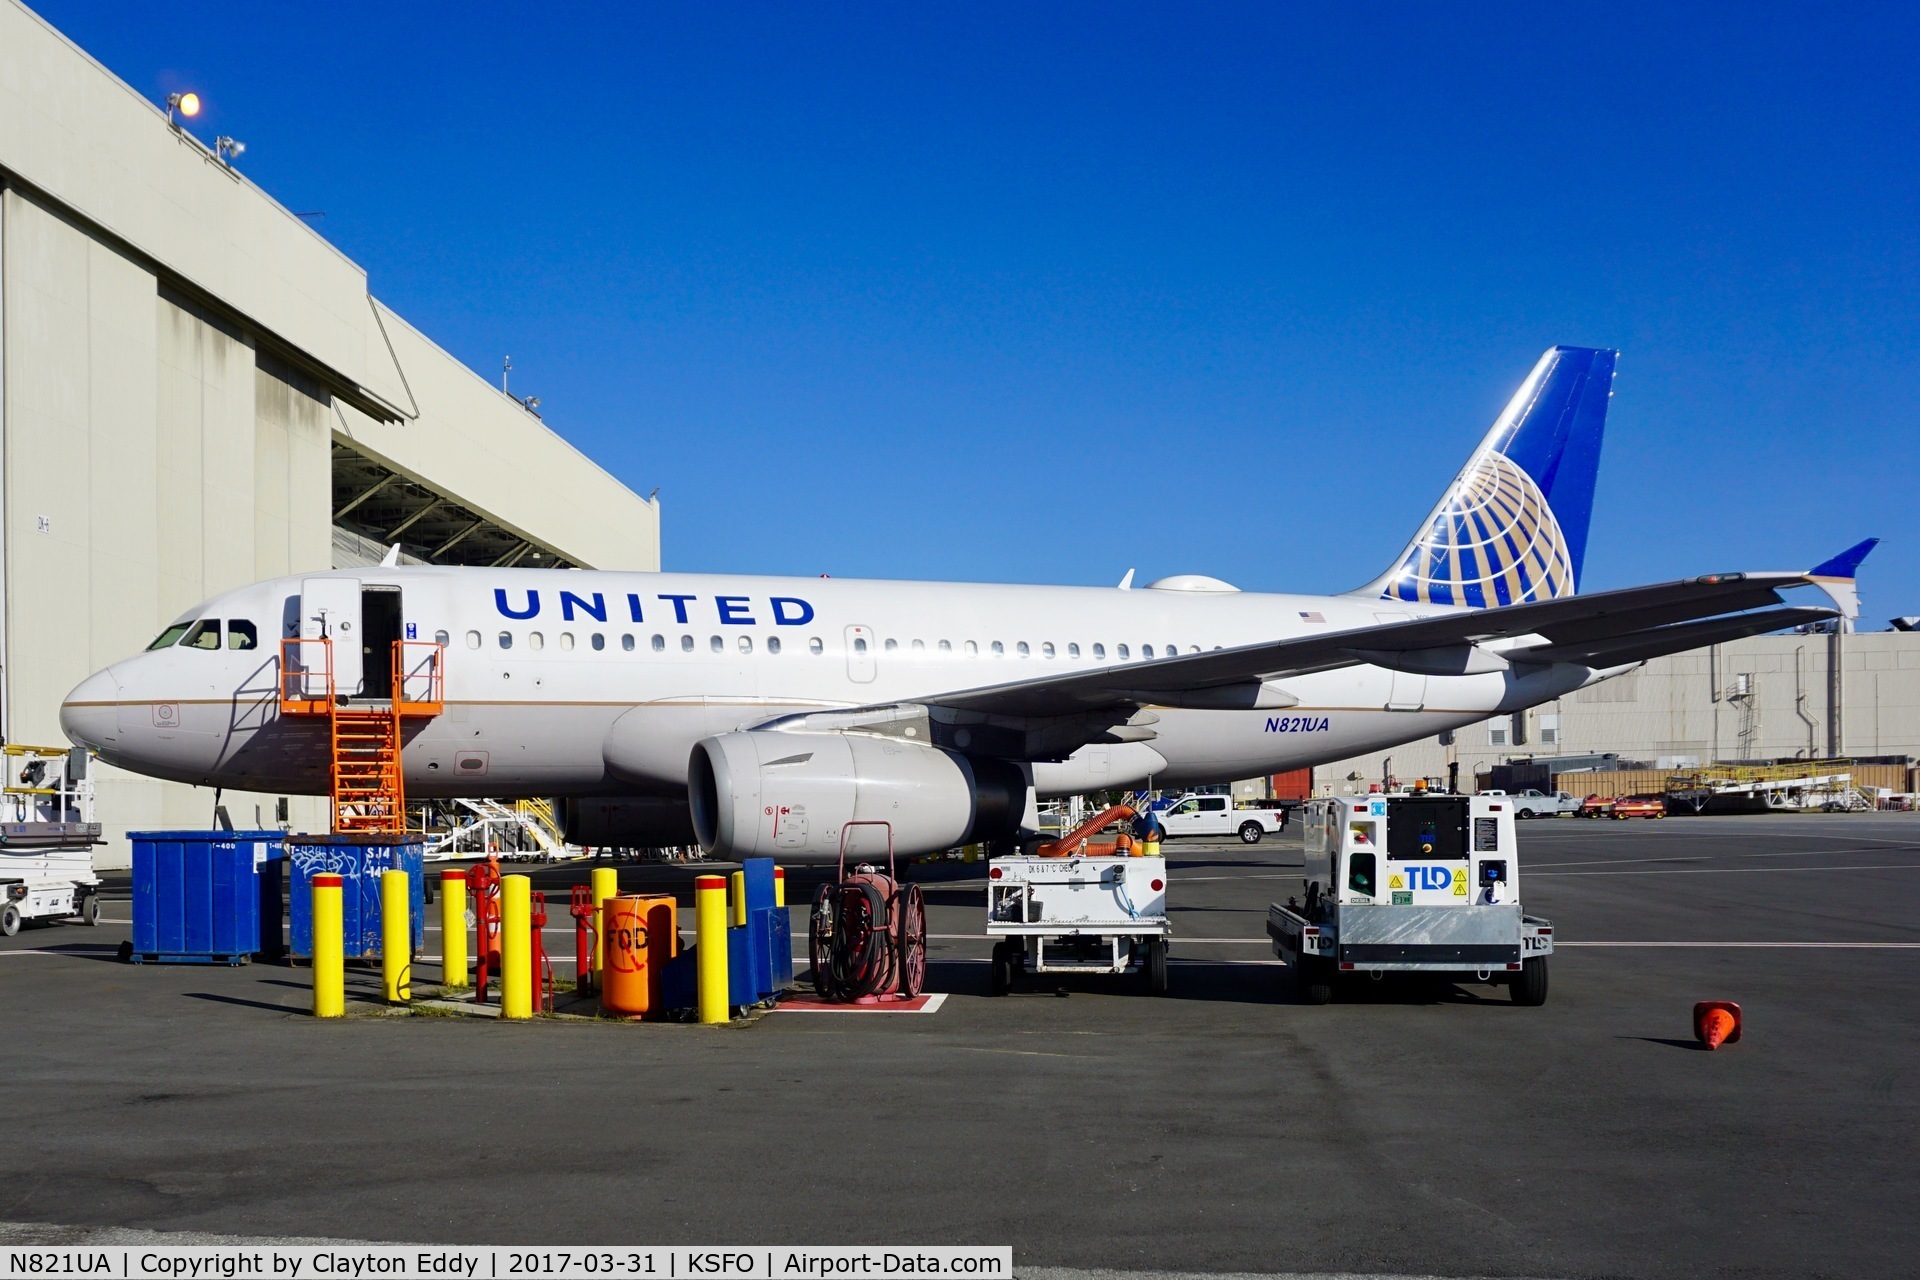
(368, 789)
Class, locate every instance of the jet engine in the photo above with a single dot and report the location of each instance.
(766, 793)
(626, 822)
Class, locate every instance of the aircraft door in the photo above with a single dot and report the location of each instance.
(330, 608)
(379, 633)
(860, 660)
(1408, 691)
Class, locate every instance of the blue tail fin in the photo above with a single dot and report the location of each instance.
(1513, 525)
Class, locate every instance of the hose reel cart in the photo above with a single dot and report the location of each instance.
(867, 934)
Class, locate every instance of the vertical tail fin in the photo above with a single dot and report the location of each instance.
(1513, 525)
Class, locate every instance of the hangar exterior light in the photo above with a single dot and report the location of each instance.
(228, 149)
(187, 104)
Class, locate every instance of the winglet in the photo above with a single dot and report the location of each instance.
(1126, 583)
(1836, 576)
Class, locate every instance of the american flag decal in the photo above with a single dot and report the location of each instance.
(1313, 617)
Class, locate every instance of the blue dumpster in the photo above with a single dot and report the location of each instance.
(759, 955)
(196, 895)
(358, 860)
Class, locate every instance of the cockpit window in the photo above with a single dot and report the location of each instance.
(241, 634)
(205, 635)
(170, 637)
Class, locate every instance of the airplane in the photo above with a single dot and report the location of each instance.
(761, 716)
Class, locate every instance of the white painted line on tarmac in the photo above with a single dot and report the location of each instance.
(1729, 871)
(1787, 946)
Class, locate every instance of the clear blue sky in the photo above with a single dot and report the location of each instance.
(1041, 292)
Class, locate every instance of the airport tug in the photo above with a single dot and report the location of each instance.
(1417, 883)
(1076, 905)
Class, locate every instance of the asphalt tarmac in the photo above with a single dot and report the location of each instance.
(1413, 1129)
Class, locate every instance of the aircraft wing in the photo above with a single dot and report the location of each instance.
(1603, 629)
(1459, 642)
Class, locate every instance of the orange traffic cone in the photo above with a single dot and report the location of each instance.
(1716, 1022)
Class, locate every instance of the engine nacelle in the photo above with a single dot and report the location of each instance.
(757, 793)
(626, 822)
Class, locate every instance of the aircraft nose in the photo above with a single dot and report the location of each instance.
(90, 715)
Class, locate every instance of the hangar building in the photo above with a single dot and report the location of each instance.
(198, 391)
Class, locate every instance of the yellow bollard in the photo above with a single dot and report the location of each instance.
(453, 930)
(606, 884)
(779, 886)
(329, 949)
(969, 852)
(516, 947)
(710, 939)
(737, 899)
(396, 937)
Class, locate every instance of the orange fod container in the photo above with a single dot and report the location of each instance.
(642, 934)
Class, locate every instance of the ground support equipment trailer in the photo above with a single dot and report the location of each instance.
(1411, 884)
(47, 837)
(1078, 914)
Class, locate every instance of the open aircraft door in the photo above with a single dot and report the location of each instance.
(330, 609)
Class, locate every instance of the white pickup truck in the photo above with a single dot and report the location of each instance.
(1217, 816)
(1540, 804)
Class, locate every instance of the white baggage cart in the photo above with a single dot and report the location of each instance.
(1078, 915)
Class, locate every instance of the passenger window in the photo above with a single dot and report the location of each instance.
(859, 644)
(1213, 804)
(473, 639)
(1360, 867)
(535, 640)
(999, 650)
(686, 644)
(946, 646)
(815, 647)
(746, 644)
(973, 648)
(1172, 650)
(773, 644)
(659, 644)
(716, 644)
(442, 639)
(169, 637)
(506, 639)
(600, 642)
(1022, 650)
(1046, 650)
(1100, 652)
(1193, 648)
(1187, 806)
(566, 639)
(891, 645)
(1146, 651)
(1073, 650)
(242, 635)
(1120, 651)
(205, 635)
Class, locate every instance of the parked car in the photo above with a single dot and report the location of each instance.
(1597, 806)
(1640, 807)
(1544, 804)
(1217, 816)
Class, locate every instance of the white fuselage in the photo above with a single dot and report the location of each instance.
(546, 697)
